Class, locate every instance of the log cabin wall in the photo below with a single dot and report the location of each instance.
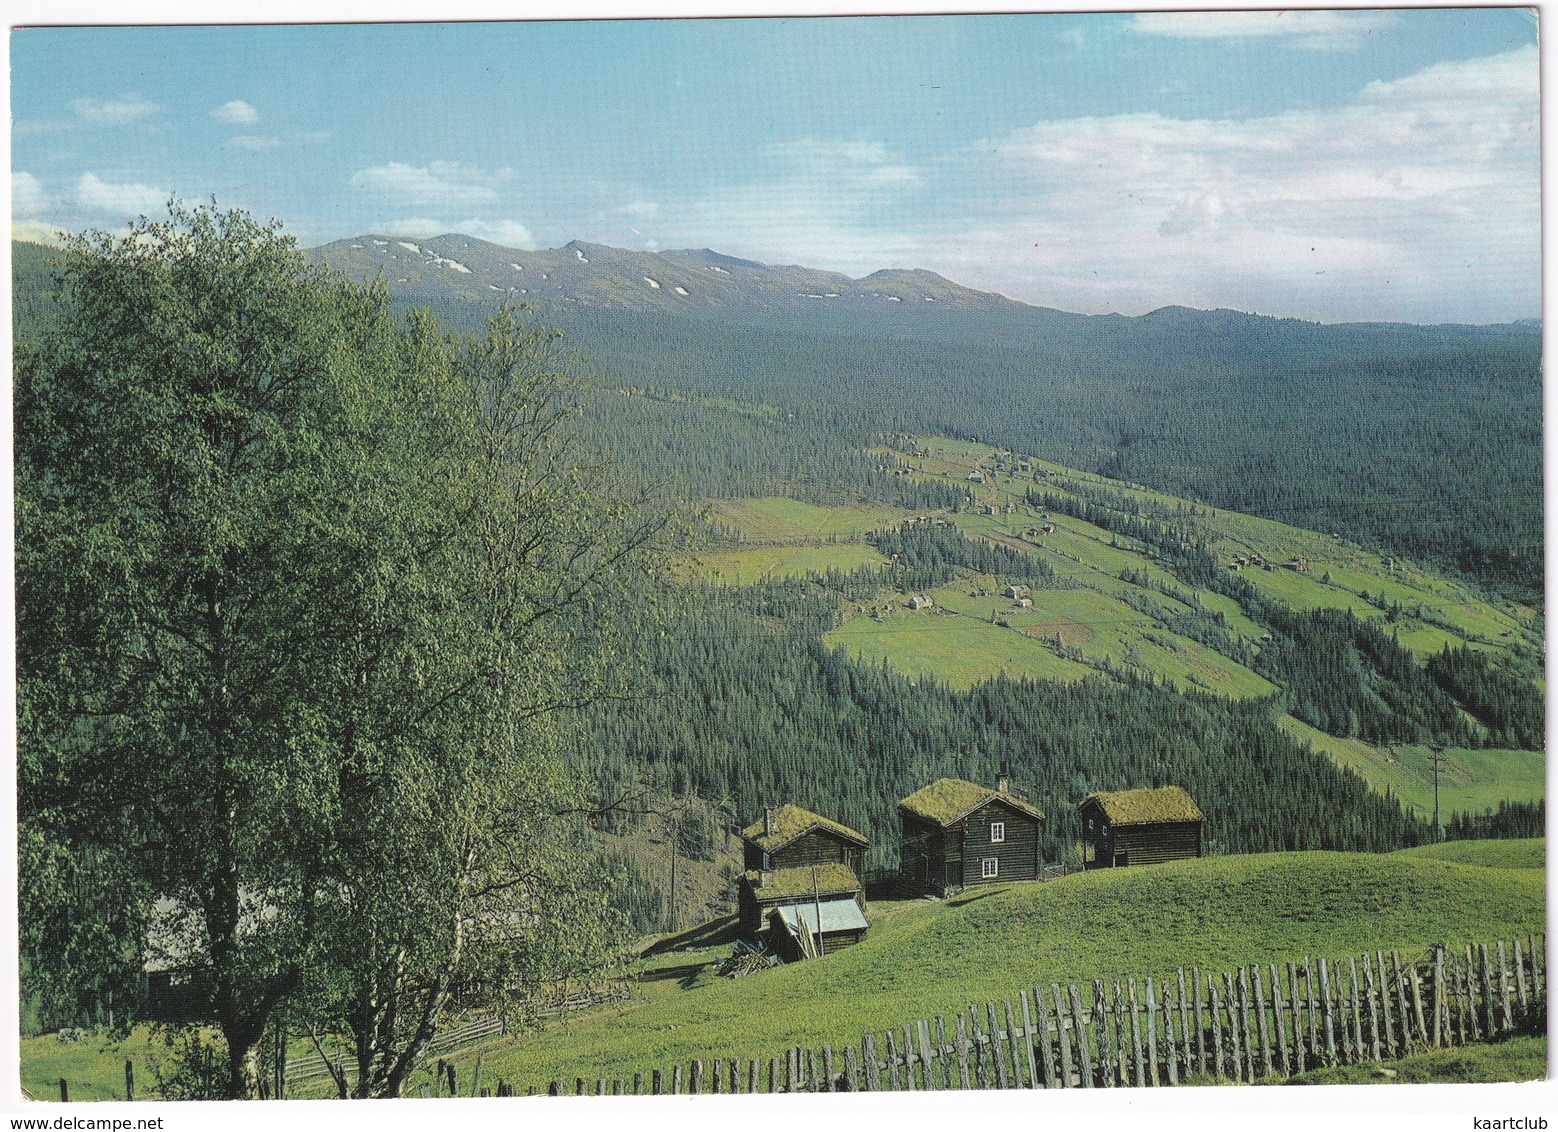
(1016, 856)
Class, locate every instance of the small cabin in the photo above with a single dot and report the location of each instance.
(787, 905)
(956, 834)
(781, 853)
(919, 601)
(1018, 591)
(1142, 827)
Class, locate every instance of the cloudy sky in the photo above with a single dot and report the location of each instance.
(1334, 165)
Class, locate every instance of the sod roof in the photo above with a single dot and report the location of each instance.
(787, 884)
(1146, 807)
(948, 800)
(791, 822)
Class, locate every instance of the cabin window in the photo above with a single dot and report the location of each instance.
(989, 867)
(997, 831)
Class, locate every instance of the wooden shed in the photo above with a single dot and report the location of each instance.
(1142, 827)
(785, 902)
(955, 834)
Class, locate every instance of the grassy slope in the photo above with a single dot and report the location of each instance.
(915, 962)
(1517, 1059)
(1091, 613)
(1519, 853)
(1469, 780)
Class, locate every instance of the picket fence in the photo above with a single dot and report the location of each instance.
(1256, 1022)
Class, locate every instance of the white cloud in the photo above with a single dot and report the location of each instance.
(446, 183)
(859, 164)
(37, 231)
(1420, 187)
(115, 112)
(1318, 30)
(236, 113)
(640, 208)
(28, 197)
(251, 141)
(93, 194)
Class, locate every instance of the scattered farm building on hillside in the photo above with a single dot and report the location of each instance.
(799, 864)
(1018, 591)
(919, 601)
(955, 834)
(1142, 827)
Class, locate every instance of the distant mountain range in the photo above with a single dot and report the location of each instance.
(601, 276)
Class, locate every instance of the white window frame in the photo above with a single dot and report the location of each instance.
(997, 832)
(989, 868)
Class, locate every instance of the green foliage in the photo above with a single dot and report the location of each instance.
(300, 593)
(1512, 709)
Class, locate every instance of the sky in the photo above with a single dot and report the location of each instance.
(1331, 165)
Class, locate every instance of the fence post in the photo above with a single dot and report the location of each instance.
(1388, 1004)
(129, 1079)
(676, 1080)
(1488, 994)
(1507, 1007)
(638, 1084)
(1083, 1053)
(1062, 1010)
(695, 1077)
(1038, 1036)
(773, 1075)
(1106, 1056)
(1279, 1019)
(1152, 1032)
(922, 1029)
(1195, 981)
(579, 1087)
(873, 1065)
(752, 1072)
(1012, 1057)
(947, 1074)
(1370, 995)
(1237, 1040)
(1262, 1031)
(1215, 1008)
(851, 1072)
(982, 1077)
(893, 1082)
(1184, 1024)
(962, 1053)
(1170, 1045)
(1520, 977)
(998, 1062)
(1136, 1057)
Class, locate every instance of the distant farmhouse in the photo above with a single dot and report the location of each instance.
(802, 870)
(955, 834)
(1142, 827)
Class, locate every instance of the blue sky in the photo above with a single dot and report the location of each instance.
(1335, 165)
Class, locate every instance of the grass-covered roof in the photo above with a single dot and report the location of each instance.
(784, 884)
(790, 822)
(1145, 807)
(948, 800)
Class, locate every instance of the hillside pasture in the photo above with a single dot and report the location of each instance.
(960, 651)
(776, 519)
(916, 960)
(744, 567)
(1470, 781)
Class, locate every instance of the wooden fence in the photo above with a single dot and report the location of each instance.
(1260, 1021)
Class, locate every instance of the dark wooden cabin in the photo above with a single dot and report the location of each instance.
(956, 834)
(1142, 827)
(797, 864)
(789, 837)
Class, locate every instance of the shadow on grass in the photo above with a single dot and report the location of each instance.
(964, 901)
(726, 929)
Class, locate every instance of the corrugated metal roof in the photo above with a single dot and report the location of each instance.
(837, 916)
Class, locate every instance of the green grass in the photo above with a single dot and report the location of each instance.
(1470, 780)
(777, 519)
(916, 960)
(743, 567)
(93, 1068)
(1515, 1059)
(958, 650)
(1516, 853)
